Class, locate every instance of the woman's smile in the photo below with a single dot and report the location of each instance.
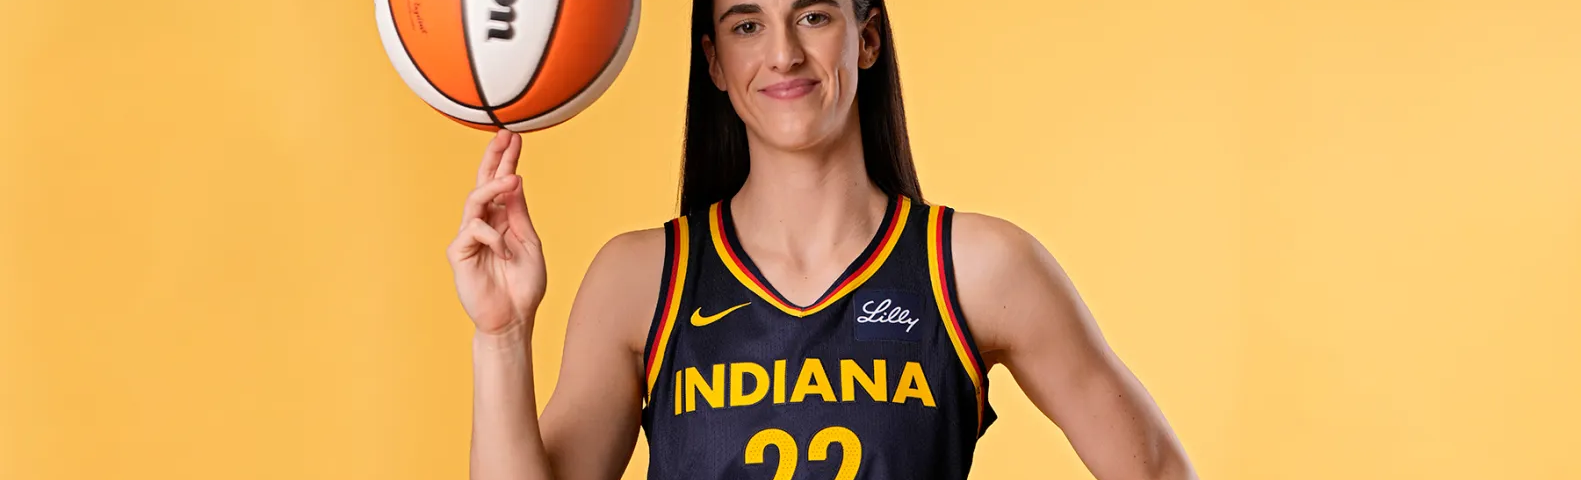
(790, 89)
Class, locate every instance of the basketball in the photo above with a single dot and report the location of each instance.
(523, 65)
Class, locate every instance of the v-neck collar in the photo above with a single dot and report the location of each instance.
(722, 229)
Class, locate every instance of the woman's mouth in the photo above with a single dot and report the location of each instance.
(790, 89)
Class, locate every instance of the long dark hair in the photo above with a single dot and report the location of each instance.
(714, 161)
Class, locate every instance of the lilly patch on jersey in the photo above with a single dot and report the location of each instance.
(889, 315)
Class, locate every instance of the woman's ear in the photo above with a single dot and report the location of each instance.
(870, 40)
(714, 72)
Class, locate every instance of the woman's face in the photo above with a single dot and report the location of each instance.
(790, 66)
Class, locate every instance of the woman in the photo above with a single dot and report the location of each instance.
(809, 315)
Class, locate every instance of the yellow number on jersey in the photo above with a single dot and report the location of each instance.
(780, 440)
(850, 459)
(850, 446)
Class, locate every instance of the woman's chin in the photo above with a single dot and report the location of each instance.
(796, 132)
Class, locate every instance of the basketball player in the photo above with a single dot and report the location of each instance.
(808, 315)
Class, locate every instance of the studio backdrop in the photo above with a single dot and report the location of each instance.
(1335, 239)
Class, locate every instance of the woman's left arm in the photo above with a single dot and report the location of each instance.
(1024, 313)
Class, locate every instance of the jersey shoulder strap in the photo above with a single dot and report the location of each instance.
(678, 259)
(941, 275)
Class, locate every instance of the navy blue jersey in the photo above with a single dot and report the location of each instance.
(877, 379)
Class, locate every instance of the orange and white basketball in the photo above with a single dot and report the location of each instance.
(519, 64)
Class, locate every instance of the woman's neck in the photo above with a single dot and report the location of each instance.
(809, 208)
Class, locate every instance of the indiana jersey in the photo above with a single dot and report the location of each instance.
(877, 379)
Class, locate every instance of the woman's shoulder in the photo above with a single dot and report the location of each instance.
(641, 253)
(619, 289)
(1001, 269)
(984, 239)
(631, 253)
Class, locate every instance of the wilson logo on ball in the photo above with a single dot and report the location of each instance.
(519, 64)
(504, 17)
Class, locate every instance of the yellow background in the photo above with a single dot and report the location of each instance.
(1335, 238)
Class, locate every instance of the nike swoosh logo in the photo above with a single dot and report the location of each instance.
(699, 320)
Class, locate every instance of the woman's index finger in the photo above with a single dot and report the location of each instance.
(491, 157)
(509, 158)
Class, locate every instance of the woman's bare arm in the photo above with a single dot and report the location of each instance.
(1025, 314)
(590, 424)
(588, 427)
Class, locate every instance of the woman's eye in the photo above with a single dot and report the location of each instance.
(747, 28)
(815, 19)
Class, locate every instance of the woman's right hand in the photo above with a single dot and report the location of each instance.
(496, 257)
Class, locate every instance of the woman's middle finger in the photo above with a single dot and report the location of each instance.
(480, 203)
